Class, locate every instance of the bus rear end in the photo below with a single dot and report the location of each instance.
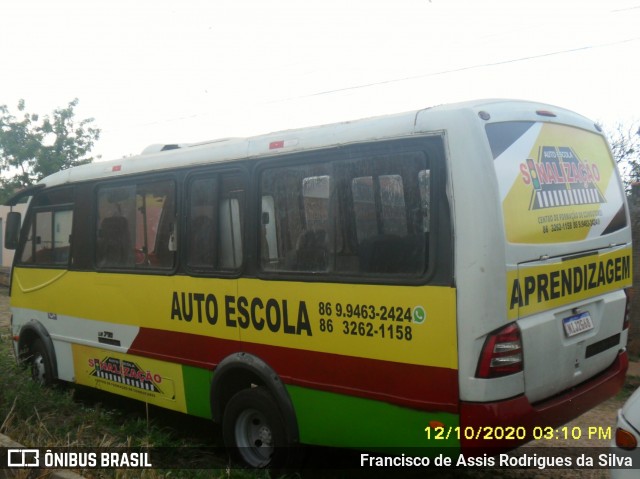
(544, 305)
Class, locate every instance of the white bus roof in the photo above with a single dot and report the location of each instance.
(397, 125)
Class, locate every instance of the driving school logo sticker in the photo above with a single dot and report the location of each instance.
(125, 372)
(560, 178)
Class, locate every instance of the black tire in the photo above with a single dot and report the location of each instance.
(40, 364)
(253, 428)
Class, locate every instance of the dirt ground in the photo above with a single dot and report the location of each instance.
(602, 418)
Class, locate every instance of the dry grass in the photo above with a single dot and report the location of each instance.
(66, 416)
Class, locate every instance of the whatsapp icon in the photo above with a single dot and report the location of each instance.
(419, 315)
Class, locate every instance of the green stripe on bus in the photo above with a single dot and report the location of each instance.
(197, 389)
(338, 420)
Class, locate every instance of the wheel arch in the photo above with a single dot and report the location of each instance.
(31, 331)
(242, 371)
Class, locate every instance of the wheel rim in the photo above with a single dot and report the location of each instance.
(38, 369)
(254, 437)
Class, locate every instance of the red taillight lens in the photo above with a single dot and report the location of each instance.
(625, 439)
(501, 354)
(627, 309)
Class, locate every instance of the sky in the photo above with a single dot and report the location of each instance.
(180, 71)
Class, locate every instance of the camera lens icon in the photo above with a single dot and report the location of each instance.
(23, 458)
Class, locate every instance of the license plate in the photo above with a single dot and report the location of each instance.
(578, 323)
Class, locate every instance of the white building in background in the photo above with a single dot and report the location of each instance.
(6, 259)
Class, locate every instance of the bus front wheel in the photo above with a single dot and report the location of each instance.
(40, 363)
(254, 429)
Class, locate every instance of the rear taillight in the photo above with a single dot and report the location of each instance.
(627, 309)
(501, 354)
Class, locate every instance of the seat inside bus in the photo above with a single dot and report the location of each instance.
(114, 242)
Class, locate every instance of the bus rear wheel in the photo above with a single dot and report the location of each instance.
(40, 363)
(254, 429)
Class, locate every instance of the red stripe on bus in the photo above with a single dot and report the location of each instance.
(410, 385)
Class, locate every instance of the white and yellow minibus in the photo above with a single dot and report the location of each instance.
(455, 276)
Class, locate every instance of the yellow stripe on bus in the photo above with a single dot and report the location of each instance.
(405, 324)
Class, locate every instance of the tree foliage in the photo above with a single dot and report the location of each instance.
(625, 146)
(32, 147)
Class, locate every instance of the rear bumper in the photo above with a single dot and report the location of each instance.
(482, 423)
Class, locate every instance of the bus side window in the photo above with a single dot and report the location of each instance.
(201, 220)
(49, 240)
(230, 254)
(268, 236)
(114, 242)
(136, 225)
(367, 216)
(295, 219)
(214, 223)
(424, 210)
(231, 220)
(62, 224)
(155, 217)
(389, 204)
(39, 242)
(114, 234)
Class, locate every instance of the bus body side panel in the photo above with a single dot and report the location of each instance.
(95, 329)
(385, 358)
(346, 420)
(386, 351)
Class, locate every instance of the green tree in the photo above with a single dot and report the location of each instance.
(32, 148)
(625, 147)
